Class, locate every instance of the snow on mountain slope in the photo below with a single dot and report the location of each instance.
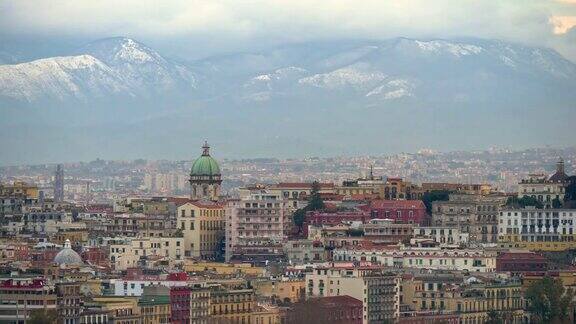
(122, 50)
(402, 68)
(59, 78)
(355, 77)
(277, 77)
(109, 67)
(445, 47)
(146, 69)
(393, 89)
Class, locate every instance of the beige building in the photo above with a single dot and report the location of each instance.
(391, 188)
(202, 226)
(472, 301)
(232, 306)
(220, 268)
(473, 214)
(293, 290)
(471, 189)
(120, 310)
(155, 305)
(377, 289)
(199, 305)
(266, 314)
(125, 253)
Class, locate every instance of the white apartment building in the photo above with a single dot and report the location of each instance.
(443, 235)
(422, 258)
(130, 287)
(537, 224)
(256, 226)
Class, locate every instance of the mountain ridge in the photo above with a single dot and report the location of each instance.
(119, 97)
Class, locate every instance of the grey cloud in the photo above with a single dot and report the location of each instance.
(226, 24)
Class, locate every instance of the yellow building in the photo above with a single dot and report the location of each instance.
(232, 306)
(223, 268)
(202, 226)
(19, 188)
(391, 188)
(74, 235)
(121, 310)
(265, 314)
(155, 309)
(567, 277)
(294, 290)
(538, 246)
(472, 302)
(91, 287)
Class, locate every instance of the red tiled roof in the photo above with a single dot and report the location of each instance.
(201, 204)
(364, 196)
(178, 200)
(402, 204)
(294, 185)
(339, 300)
(521, 256)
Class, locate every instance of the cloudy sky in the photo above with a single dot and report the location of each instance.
(196, 28)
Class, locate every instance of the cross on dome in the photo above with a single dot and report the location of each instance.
(206, 149)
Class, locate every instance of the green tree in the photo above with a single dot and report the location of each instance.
(494, 318)
(355, 232)
(556, 203)
(570, 191)
(40, 316)
(299, 216)
(437, 195)
(549, 301)
(315, 202)
(523, 202)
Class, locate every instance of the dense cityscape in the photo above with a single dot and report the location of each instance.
(287, 162)
(460, 237)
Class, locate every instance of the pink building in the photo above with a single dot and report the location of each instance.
(401, 211)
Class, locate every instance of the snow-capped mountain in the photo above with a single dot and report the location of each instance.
(420, 69)
(469, 70)
(61, 78)
(109, 68)
(141, 65)
(121, 98)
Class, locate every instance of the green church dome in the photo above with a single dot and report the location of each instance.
(205, 165)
